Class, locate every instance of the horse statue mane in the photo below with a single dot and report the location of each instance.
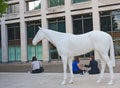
(70, 45)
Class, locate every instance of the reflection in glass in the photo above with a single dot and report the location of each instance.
(33, 5)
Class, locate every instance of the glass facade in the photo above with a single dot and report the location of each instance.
(56, 24)
(13, 8)
(32, 28)
(82, 23)
(110, 23)
(53, 3)
(33, 5)
(78, 1)
(14, 51)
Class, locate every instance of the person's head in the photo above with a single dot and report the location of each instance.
(34, 58)
(76, 58)
(92, 58)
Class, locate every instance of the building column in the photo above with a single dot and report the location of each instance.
(95, 15)
(4, 40)
(23, 32)
(68, 18)
(45, 43)
(96, 20)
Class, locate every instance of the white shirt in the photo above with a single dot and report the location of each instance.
(36, 65)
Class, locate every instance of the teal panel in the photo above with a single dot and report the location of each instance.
(34, 51)
(39, 52)
(31, 52)
(18, 53)
(11, 53)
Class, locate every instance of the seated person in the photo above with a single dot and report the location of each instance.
(36, 66)
(93, 65)
(77, 67)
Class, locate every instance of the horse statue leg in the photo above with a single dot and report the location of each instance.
(103, 65)
(64, 60)
(110, 66)
(70, 67)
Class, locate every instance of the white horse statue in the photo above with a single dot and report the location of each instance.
(70, 45)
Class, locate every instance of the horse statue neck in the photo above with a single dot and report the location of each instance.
(53, 36)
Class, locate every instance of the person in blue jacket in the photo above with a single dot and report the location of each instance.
(77, 67)
(93, 65)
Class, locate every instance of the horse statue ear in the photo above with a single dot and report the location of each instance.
(39, 27)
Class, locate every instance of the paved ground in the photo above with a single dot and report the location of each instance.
(53, 80)
(15, 75)
(51, 67)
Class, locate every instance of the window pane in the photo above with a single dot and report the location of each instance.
(17, 33)
(53, 3)
(88, 26)
(77, 1)
(30, 31)
(105, 23)
(61, 27)
(33, 5)
(82, 23)
(10, 34)
(32, 28)
(57, 24)
(77, 26)
(13, 8)
(16, 8)
(13, 31)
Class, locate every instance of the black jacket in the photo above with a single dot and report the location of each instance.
(94, 67)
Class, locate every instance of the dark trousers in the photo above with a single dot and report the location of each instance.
(37, 71)
(78, 72)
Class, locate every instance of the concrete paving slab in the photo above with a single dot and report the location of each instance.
(53, 80)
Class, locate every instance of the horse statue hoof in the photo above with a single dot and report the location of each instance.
(63, 83)
(110, 83)
(98, 81)
(71, 82)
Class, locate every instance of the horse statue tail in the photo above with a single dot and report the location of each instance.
(112, 55)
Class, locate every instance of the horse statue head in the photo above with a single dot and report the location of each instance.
(38, 37)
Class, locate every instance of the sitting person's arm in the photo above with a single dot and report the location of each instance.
(80, 66)
(88, 65)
